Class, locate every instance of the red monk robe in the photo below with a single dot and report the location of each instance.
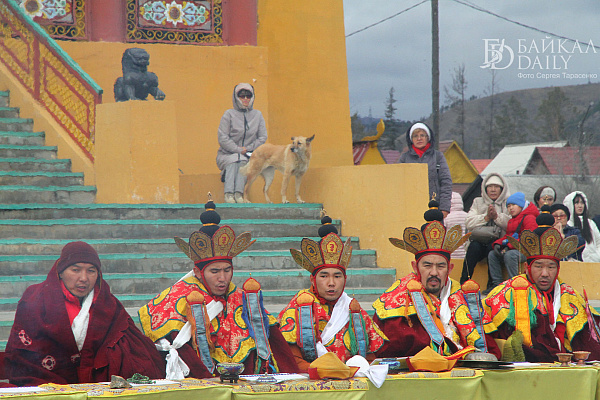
(165, 315)
(542, 342)
(396, 316)
(42, 349)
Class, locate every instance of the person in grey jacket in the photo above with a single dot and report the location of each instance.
(419, 138)
(241, 131)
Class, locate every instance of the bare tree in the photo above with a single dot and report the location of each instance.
(491, 91)
(456, 97)
(511, 124)
(390, 110)
(552, 114)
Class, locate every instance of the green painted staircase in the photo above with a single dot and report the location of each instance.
(135, 241)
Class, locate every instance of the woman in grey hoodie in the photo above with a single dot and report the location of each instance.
(241, 131)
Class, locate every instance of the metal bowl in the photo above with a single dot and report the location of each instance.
(230, 369)
(480, 356)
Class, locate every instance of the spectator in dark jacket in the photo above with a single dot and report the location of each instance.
(523, 216)
(562, 215)
(419, 139)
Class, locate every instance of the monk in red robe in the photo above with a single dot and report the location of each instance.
(550, 315)
(71, 329)
(205, 319)
(324, 318)
(427, 308)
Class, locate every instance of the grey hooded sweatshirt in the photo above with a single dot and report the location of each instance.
(240, 127)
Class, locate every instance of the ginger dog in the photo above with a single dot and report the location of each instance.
(291, 160)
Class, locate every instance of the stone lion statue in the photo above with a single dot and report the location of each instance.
(137, 82)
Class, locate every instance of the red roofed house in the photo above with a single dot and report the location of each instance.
(563, 161)
(480, 164)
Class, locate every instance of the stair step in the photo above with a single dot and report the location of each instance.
(16, 124)
(4, 98)
(171, 262)
(363, 295)
(62, 179)
(47, 194)
(159, 211)
(145, 228)
(22, 138)
(9, 112)
(131, 283)
(28, 164)
(38, 152)
(163, 245)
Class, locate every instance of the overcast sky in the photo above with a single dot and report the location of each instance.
(397, 52)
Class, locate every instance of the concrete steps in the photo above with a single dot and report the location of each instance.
(22, 138)
(11, 247)
(158, 211)
(15, 178)
(43, 206)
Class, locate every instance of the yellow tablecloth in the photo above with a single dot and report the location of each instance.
(352, 389)
(424, 386)
(544, 383)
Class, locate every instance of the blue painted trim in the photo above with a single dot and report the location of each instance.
(16, 120)
(22, 134)
(65, 221)
(27, 147)
(147, 206)
(142, 256)
(13, 241)
(48, 188)
(41, 173)
(35, 160)
(176, 275)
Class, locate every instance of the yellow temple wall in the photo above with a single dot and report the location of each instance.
(374, 202)
(298, 70)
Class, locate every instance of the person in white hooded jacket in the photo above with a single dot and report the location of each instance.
(577, 204)
(487, 210)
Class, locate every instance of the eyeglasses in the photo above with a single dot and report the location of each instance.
(245, 96)
(419, 136)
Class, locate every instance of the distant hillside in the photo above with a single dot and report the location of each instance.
(477, 116)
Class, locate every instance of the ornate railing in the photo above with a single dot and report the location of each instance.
(49, 74)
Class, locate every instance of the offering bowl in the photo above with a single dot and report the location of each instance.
(230, 371)
(564, 359)
(580, 357)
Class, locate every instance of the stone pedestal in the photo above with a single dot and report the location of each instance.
(136, 152)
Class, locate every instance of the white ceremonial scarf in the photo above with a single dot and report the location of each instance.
(556, 305)
(556, 302)
(339, 318)
(82, 320)
(176, 367)
(446, 314)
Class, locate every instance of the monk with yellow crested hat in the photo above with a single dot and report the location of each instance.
(205, 319)
(427, 308)
(324, 318)
(550, 315)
